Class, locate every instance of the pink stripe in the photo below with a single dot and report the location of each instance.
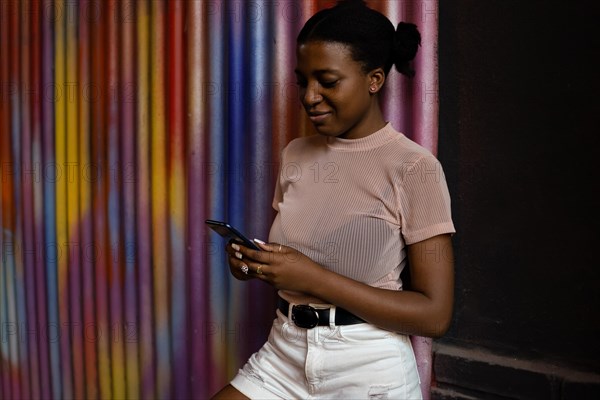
(85, 215)
(99, 206)
(425, 90)
(127, 133)
(177, 200)
(196, 196)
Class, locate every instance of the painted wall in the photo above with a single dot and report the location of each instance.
(123, 125)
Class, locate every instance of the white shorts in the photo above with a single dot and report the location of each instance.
(330, 362)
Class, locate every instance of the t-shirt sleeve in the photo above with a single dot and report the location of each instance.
(424, 201)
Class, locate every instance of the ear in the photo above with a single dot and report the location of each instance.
(376, 79)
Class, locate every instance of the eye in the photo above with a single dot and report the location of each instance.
(329, 84)
(301, 82)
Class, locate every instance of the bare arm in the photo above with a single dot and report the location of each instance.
(424, 310)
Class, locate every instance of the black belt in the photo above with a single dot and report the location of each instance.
(308, 317)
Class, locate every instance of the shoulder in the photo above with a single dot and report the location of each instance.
(312, 140)
(411, 149)
(406, 163)
(403, 154)
(300, 145)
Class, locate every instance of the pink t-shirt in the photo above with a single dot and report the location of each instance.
(352, 205)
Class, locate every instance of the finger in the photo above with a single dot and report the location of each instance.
(244, 268)
(270, 247)
(277, 247)
(263, 245)
(229, 249)
(260, 270)
(237, 250)
(238, 267)
(260, 256)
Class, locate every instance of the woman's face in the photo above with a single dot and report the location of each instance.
(335, 91)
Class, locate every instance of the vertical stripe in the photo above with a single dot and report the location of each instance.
(88, 178)
(160, 250)
(98, 91)
(177, 200)
(234, 162)
(127, 100)
(41, 321)
(4, 154)
(27, 325)
(62, 218)
(256, 170)
(16, 273)
(6, 285)
(425, 86)
(395, 102)
(73, 182)
(197, 166)
(213, 94)
(144, 252)
(115, 248)
(51, 177)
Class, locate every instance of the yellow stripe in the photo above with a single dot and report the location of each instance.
(160, 200)
(72, 185)
(62, 236)
(147, 360)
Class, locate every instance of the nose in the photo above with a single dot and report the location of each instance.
(311, 94)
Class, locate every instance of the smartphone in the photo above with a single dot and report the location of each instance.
(229, 232)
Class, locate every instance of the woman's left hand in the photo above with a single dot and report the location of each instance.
(281, 266)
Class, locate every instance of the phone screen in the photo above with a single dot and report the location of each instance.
(229, 232)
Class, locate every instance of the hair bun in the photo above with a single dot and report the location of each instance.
(406, 43)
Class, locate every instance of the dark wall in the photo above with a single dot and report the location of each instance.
(519, 126)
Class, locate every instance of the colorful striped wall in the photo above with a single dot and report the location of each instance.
(123, 125)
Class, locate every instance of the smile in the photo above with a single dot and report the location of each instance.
(317, 117)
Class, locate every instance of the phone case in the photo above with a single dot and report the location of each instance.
(229, 232)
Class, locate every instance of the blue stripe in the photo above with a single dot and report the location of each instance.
(259, 172)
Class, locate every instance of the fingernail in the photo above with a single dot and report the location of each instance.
(235, 247)
(238, 255)
(259, 241)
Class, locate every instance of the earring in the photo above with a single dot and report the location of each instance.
(372, 89)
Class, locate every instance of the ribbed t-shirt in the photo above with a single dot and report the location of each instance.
(352, 205)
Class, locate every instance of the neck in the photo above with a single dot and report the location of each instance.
(372, 123)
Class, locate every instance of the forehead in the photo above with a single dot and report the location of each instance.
(322, 56)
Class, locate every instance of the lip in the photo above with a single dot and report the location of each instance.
(318, 116)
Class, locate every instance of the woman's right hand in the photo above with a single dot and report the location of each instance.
(237, 266)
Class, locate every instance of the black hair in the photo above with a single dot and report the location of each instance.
(371, 36)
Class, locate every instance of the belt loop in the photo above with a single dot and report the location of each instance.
(332, 317)
(290, 309)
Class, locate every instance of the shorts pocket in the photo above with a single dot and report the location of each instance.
(363, 333)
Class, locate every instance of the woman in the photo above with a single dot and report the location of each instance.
(361, 202)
